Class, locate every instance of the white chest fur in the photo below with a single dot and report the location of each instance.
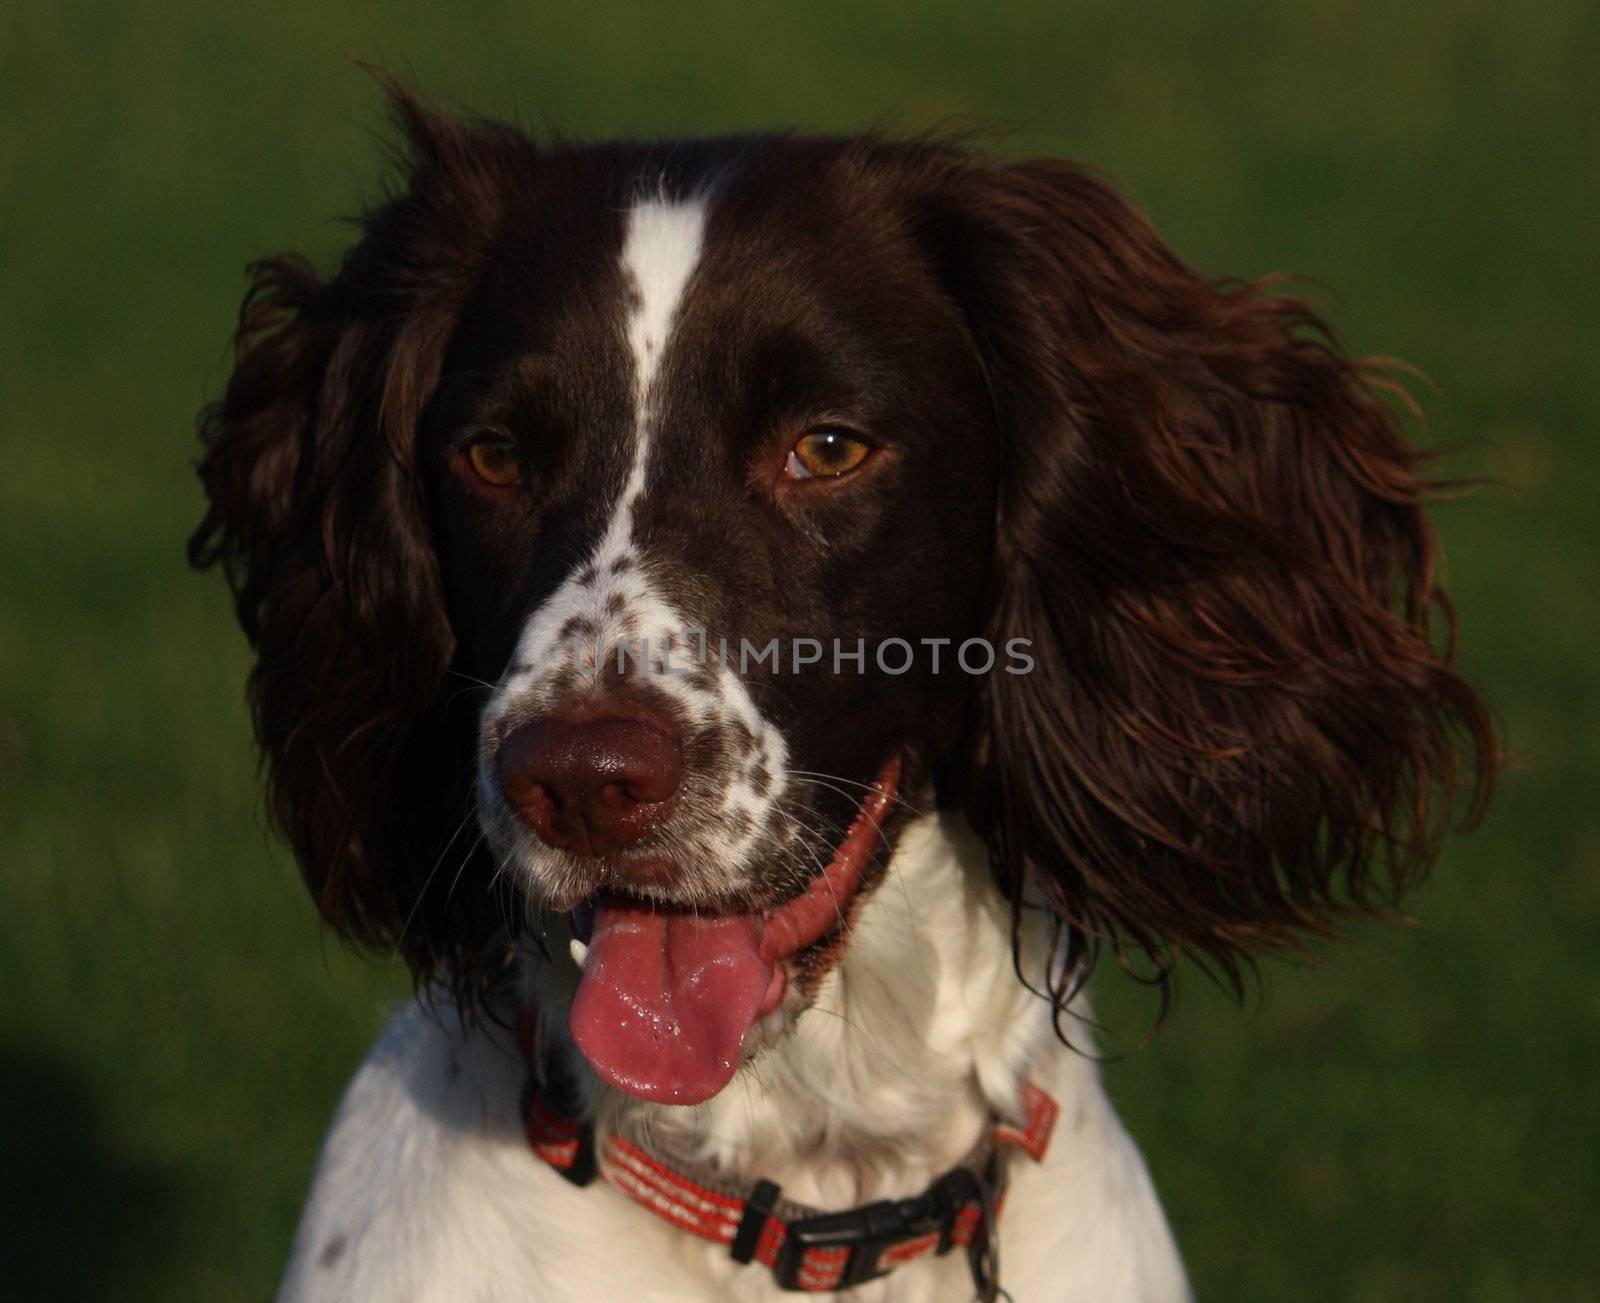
(426, 1189)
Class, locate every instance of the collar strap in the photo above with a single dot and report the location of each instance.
(806, 1248)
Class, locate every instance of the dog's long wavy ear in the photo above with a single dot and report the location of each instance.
(317, 515)
(1242, 721)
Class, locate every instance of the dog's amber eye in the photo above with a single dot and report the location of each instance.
(824, 453)
(495, 461)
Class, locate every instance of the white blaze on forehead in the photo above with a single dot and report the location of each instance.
(660, 250)
(658, 257)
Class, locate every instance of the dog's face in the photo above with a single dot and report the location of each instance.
(690, 481)
(633, 503)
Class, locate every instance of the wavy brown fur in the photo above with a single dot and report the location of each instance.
(1244, 721)
(317, 516)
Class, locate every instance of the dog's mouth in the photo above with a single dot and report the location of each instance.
(668, 996)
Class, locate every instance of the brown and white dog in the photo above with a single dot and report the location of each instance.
(769, 609)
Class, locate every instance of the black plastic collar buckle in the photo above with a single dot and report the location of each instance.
(869, 1230)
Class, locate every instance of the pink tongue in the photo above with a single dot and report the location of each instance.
(665, 1000)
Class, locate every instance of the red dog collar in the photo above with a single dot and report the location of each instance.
(807, 1249)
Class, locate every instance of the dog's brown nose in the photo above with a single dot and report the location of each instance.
(592, 786)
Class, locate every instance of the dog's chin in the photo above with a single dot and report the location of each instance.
(671, 999)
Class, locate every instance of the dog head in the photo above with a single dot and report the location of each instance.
(640, 533)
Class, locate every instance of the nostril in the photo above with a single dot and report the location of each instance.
(647, 775)
(590, 785)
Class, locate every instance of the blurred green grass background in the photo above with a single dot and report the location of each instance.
(1412, 1117)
